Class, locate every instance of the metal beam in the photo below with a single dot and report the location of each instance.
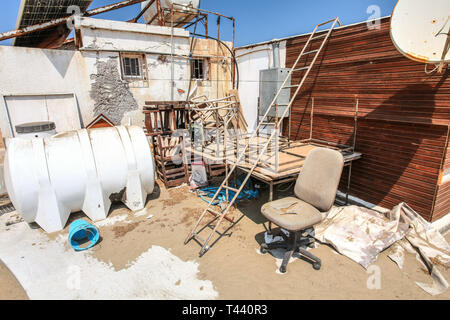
(55, 22)
(143, 11)
(111, 7)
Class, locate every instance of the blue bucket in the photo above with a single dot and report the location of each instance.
(80, 233)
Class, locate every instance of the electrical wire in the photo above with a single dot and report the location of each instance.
(231, 52)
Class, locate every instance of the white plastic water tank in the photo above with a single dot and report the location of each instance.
(81, 170)
(190, 5)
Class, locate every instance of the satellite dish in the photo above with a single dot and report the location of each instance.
(421, 30)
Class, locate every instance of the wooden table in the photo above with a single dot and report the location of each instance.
(291, 157)
(290, 164)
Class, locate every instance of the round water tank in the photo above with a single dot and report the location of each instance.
(81, 170)
(189, 5)
(36, 129)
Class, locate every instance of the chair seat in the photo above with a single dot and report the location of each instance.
(291, 214)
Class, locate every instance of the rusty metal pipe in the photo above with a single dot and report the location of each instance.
(55, 22)
(143, 11)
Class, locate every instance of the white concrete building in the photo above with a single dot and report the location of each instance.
(115, 69)
(251, 60)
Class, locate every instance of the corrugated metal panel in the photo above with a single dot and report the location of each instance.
(34, 12)
(402, 120)
(442, 203)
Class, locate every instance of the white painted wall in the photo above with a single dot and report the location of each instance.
(30, 71)
(251, 60)
(61, 109)
(104, 39)
(33, 71)
(37, 72)
(108, 35)
(157, 87)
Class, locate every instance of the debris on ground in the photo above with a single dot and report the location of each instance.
(361, 234)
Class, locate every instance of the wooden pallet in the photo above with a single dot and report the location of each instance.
(162, 120)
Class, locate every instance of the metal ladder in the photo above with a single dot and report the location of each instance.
(221, 215)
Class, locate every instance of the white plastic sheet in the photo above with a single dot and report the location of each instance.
(361, 234)
(430, 247)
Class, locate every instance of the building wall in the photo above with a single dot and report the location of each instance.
(93, 73)
(35, 72)
(219, 61)
(442, 202)
(251, 60)
(104, 39)
(403, 116)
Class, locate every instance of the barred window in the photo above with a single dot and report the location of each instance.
(198, 69)
(133, 66)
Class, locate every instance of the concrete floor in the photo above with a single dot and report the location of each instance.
(232, 269)
(10, 287)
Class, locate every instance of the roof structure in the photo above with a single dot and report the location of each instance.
(252, 45)
(100, 122)
(32, 12)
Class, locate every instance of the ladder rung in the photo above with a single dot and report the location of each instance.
(309, 52)
(318, 37)
(214, 212)
(248, 153)
(196, 236)
(326, 22)
(231, 188)
(219, 214)
(300, 69)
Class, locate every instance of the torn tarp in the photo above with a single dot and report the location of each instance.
(361, 234)
(426, 242)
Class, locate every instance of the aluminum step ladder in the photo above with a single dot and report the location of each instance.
(219, 216)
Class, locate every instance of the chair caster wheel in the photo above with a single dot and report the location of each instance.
(263, 249)
(283, 269)
(316, 266)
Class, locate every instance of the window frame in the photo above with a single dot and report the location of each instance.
(142, 66)
(205, 68)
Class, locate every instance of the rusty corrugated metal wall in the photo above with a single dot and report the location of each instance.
(403, 119)
(442, 202)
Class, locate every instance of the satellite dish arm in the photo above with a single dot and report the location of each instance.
(444, 53)
(446, 46)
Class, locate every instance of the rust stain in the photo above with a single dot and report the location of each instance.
(417, 57)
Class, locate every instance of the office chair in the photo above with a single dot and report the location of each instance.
(315, 191)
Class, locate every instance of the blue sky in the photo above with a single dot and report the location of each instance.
(256, 20)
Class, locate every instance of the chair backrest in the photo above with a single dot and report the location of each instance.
(319, 178)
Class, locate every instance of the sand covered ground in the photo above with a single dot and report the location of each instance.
(232, 269)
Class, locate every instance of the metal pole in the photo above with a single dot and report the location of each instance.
(172, 72)
(349, 177)
(311, 120)
(355, 128)
(143, 11)
(289, 123)
(59, 21)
